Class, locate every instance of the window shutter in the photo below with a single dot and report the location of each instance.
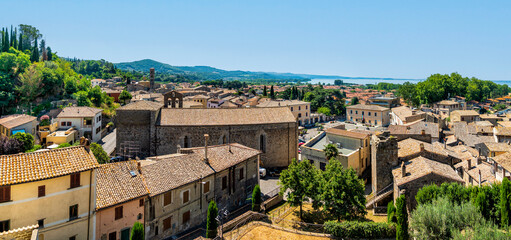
(41, 191)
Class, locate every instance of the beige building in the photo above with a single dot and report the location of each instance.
(182, 185)
(12, 124)
(353, 147)
(300, 109)
(52, 188)
(120, 199)
(370, 114)
(464, 116)
(86, 120)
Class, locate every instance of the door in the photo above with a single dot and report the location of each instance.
(125, 234)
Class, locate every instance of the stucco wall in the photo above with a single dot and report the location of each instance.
(106, 223)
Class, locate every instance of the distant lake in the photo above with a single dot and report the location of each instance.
(377, 80)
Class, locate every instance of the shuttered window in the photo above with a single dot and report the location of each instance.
(167, 198)
(118, 212)
(206, 187)
(242, 174)
(5, 194)
(167, 223)
(41, 191)
(75, 180)
(186, 217)
(224, 182)
(186, 196)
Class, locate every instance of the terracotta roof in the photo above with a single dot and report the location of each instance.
(489, 116)
(416, 128)
(411, 146)
(225, 116)
(26, 167)
(504, 123)
(498, 147)
(346, 133)
(278, 103)
(79, 112)
(13, 121)
(420, 167)
(487, 177)
(466, 112)
(175, 170)
(447, 102)
(142, 105)
(504, 160)
(115, 184)
(402, 112)
(367, 107)
(503, 131)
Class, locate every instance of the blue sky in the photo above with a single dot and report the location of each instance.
(402, 39)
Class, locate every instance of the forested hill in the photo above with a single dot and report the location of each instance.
(206, 72)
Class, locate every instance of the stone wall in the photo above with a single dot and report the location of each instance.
(383, 158)
(135, 125)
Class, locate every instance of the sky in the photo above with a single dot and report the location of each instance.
(400, 39)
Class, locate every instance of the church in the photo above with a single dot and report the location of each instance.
(146, 128)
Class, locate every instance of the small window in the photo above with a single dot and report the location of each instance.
(118, 212)
(72, 238)
(141, 203)
(186, 196)
(139, 216)
(5, 194)
(368, 113)
(186, 217)
(206, 187)
(75, 180)
(362, 113)
(112, 236)
(242, 176)
(351, 111)
(41, 191)
(73, 212)
(224, 182)
(167, 223)
(375, 114)
(40, 222)
(306, 107)
(291, 109)
(87, 121)
(167, 198)
(5, 226)
(98, 130)
(299, 115)
(299, 108)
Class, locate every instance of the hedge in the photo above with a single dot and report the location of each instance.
(353, 229)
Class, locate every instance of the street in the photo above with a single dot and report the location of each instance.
(108, 142)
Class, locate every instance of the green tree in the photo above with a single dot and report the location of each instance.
(391, 212)
(324, 110)
(302, 181)
(211, 224)
(272, 92)
(30, 87)
(49, 53)
(265, 91)
(331, 151)
(99, 153)
(96, 96)
(35, 52)
(505, 191)
(343, 192)
(256, 198)
(402, 219)
(137, 232)
(125, 96)
(26, 139)
(82, 98)
(354, 101)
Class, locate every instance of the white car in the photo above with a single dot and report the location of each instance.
(262, 172)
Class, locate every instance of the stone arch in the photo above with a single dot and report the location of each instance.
(262, 141)
(175, 97)
(224, 139)
(185, 141)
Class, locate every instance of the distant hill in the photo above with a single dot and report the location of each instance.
(206, 72)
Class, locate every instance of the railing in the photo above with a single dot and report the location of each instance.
(370, 200)
(272, 193)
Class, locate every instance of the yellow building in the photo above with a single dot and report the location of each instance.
(52, 188)
(369, 114)
(12, 124)
(300, 109)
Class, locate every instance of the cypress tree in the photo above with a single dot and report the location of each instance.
(35, 52)
(265, 92)
(391, 212)
(211, 224)
(20, 42)
(272, 92)
(6, 42)
(504, 202)
(15, 41)
(48, 52)
(256, 198)
(11, 44)
(402, 219)
(137, 232)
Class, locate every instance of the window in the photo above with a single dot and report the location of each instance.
(72, 238)
(5, 226)
(306, 114)
(87, 121)
(186, 196)
(351, 111)
(362, 113)
(369, 113)
(41, 191)
(112, 236)
(375, 114)
(224, 182)
(186, 217)
(186, 142)
(75, 180)
(5, 194)
(356, 112)
(118, 212)
(375, 122)
(242, 174)
(40, 222)
(262, 143)
(206, 187)
(167, 223)
(139, 216)
(299, 115)
(167, 198)
(291, 109)
(141, 203)
(306, 107)
(299, 108)
(98, 130)
(73, 212)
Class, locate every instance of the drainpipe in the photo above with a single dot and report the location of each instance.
(90, 197)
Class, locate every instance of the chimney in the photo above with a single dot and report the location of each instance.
(206, 138)
(139, 168)
(178, 148)
(85, 142)
(422, 147)
(403, 169)
(423, 132)
(469, 163)
(480, 177)
(494, 169)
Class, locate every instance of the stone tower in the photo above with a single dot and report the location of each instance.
(151, 78)
(383, 159)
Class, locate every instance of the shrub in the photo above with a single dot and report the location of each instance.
(504, 202)
(99, 153)
(402, 218)
(391, 212)
(137, 232)
(211, 224)
(481, 232)
(256, 198)
(63, 145)
(35, 148)
(26, 139)
(354, 229)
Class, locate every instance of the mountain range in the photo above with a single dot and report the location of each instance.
(207, 72)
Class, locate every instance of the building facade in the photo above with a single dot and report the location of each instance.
(300, 109)
(12, 124)
(369, 114)
(86, 120)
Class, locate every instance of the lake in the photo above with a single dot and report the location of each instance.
(377, 80)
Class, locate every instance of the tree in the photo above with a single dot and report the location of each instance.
(30, 87)
(82, 98)
(256, 198)
(324, 110)
(391, 212)
(211, 224)
(265, 91)
(301, 181)
(338, 82)
(137, 232)
(125, 95)
(10, 145)
(354, 101)
(96, 96)
(330, 151)
(99, 153)
(272, 92)
(48, 52)
(26, 139)
(35, 52)
(402, 219)
(343, 192)
(505, 191)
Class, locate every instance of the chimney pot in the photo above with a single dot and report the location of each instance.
(139, 168)
(423, 132)
(422, 147)
(403, 169)
(206, 138)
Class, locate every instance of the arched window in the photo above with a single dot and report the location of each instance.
(222, 140)
(186, 142)
(262, 143)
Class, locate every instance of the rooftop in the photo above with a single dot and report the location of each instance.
(27, 167)
(12, 121)
(346, 133)
(504, 160)
(279, 103)
(142, 105)
(411, 146)
(70, 112)
(466, 112)
(367, 107)
(420, 167)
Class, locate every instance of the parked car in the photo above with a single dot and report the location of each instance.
(262, 172)
(116, 159)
